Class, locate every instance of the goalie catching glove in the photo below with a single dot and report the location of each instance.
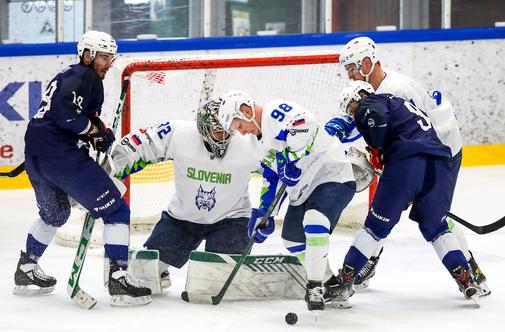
(363, 170)
(259, 232)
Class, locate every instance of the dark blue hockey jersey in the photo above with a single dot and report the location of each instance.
(397, 128)
(72, 98)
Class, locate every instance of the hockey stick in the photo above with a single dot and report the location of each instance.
(216, 299)
(479, 229)
(80, 297)
(15, 172)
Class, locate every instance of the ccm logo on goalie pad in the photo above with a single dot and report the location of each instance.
(268, 260)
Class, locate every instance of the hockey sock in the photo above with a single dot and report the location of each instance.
(39, 237)
(460, 236)
(116, 239)
(317, 234)
(449, 252)
(365, 244)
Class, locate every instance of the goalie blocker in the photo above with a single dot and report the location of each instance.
(260, 276)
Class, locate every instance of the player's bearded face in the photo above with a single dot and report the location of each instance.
(102, 63)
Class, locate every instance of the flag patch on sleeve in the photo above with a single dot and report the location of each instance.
(298, 122)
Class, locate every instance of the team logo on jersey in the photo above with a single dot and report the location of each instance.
(371, 122)
(205, 199)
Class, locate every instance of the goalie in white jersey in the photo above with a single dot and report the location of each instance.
(359, 56)
(211, 170)
(297, 151)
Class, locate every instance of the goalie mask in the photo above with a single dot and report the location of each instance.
(215, 137)
(351, 93)
(96, 41)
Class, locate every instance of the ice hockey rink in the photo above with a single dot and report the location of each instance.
(410, 292)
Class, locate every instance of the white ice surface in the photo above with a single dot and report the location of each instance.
(411, 291)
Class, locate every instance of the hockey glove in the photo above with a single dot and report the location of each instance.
(287, 170)
(103, 139)
(342, 127)
(263, 231)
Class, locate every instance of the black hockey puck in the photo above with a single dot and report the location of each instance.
(184, 296)
(291, 318)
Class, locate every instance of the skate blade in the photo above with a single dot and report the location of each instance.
(361, 286)
(340, 304)
(165, 283)
(32, 290)
(126, 300)
(483, 290)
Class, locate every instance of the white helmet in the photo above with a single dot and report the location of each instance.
(356, 50)
(351, 93)
(230, 108)
(96, 41)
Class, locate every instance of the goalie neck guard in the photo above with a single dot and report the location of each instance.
(207, 121)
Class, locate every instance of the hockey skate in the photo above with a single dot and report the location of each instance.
(478, 276)
(362, 280)
(340, 289)
(314, 295)
(465, 283)
(123, 290)
(330, 295)
(29, 278)
(165, 281)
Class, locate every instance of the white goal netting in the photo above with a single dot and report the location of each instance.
(164, 89)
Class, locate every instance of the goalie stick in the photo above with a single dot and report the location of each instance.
(479, 229)
(216, 299)
(15, 172)
(80, 297)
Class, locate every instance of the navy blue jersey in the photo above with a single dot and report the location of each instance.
(397, 128)
(71, 99)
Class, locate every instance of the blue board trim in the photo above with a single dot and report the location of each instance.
(217, 43)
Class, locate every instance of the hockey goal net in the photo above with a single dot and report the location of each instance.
(171, 88)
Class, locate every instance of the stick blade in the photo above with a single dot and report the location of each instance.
(83, 299)
(197, 298)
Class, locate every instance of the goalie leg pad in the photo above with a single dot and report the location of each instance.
(259, 276)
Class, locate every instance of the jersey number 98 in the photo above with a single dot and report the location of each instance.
(279, 113)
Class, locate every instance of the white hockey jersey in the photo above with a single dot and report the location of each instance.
(441, 116)
(207, 189)
(286, 126)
